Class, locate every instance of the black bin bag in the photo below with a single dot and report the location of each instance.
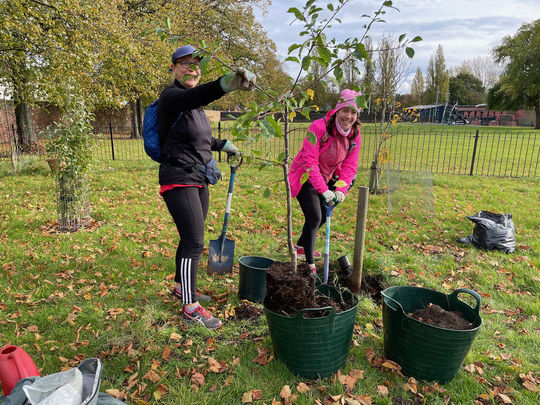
(492, 231)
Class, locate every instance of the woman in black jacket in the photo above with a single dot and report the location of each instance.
(186, 144)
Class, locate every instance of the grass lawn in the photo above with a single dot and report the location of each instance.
(104, 291)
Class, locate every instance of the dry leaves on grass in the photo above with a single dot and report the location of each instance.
(381, 363)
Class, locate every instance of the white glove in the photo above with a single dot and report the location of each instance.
(339, 197)
(329, 197)
(241, 79)
(230, 148)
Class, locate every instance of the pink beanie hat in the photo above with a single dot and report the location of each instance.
(347, 98)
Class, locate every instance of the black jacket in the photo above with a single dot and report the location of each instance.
(189, 144)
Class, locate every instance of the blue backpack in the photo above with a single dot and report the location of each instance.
(150, 132)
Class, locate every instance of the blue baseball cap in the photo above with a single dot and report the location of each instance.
(182, 51)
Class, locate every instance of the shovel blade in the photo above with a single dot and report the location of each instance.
(220, 260)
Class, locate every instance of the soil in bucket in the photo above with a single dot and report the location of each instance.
(288, 292)
(434, 315)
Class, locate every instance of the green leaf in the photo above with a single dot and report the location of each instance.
(340, 184)
(204, 64)
(360, 52)
(267, 193)
(409, 51)
(168, 23)
(330, 7)
(361, 102)
(416, 39)
(311, 137)
(297, 13)
(387, 4)
(305, 112)
(338, 73)
(293, 47)
(293, 59)
(401, 37)
(277, 127)
(281, 156)
(325, 53)
(304, 177)
(306, 61)
(268, 127)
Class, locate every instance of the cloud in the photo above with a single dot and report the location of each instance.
(465, 29)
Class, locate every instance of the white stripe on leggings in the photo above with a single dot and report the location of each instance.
(185, 274)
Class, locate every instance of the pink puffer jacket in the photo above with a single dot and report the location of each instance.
(308, 156)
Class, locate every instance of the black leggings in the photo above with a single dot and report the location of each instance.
(313, 209)
(188, 207)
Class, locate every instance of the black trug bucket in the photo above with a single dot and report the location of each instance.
(423, 351)
(252, 277)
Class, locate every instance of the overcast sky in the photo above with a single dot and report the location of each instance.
(465, 29)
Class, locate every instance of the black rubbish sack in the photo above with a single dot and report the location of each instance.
(492, 231)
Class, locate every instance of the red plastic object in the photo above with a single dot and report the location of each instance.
(15, 364)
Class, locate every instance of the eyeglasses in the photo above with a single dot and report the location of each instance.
(188, 63)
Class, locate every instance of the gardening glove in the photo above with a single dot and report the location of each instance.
(241, 79)
(329, 197)
(340, 197)
(230, 148)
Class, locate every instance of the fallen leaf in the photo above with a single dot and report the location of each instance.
(302, 388)
(247, 398)
(262, 357)
(152, 376)
(382, 390)
(285, 392)
(256, 394)
(197, 378)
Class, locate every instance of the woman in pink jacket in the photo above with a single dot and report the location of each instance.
(333, 157)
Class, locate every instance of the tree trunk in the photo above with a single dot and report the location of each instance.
(537, 114)
(383, 115)
(135, 127)
(140, 115)
(285, 166)
(373, 177)
(26, 137)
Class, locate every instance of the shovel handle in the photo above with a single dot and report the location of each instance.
(234, 158)
(329, 209)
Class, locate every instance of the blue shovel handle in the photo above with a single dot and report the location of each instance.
(328, 209)
(234, 167)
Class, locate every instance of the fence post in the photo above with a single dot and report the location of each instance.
(474, 152)
(219, 137)
(112, 141)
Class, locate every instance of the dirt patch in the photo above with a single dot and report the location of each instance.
(247, 311)
(371, 285)
(434, 315)
(288, 292)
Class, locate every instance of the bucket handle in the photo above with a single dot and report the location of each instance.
(393, 301)
(454, 296)
(331, 315)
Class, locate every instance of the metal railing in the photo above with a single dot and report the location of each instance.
(452, 150)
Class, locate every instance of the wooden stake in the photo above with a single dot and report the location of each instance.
(359, 239)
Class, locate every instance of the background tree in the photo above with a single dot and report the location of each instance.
(483, 68)
(466, 89)
(417, 88)
(437, 78)
(519, 85)
(392, 67)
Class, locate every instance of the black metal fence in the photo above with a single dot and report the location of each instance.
(454, 150)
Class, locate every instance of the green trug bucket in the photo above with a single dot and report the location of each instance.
(423, 351)
(314, 347)
(252, 278)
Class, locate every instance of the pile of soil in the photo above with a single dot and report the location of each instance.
(288, 292)
(434, 315)
(247, 311)
(370, 285)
